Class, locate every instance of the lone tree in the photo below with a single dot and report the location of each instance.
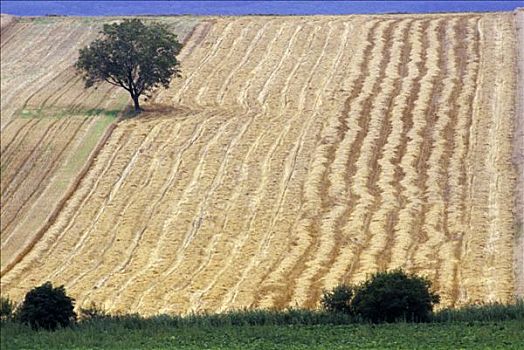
(131, 55)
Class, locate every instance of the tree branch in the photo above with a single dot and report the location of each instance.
(116, 82)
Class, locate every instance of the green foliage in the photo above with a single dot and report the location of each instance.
(155, 335)
(254, 317)
(385, 297)
(494, 312)
(338, 299)
(394, 296)
(133, 56)
(492, 326)
(47, 308)
(6, 308)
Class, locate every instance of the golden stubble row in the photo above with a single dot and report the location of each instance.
(488, 241)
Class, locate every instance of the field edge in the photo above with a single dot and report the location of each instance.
(518, 156)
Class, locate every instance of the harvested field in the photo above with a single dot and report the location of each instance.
(296, 153)
(50, 125)
(6, 20)
(41, 158)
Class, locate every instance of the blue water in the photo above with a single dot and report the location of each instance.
(109, 8)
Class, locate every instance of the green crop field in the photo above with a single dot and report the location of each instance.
(483, 335)
(494, 326)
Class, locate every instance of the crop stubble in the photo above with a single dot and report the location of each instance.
(302, 152)
(49, 124)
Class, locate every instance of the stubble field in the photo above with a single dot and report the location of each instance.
(50, 125)
(296, 153)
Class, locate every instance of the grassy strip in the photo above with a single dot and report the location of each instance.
(118, 335)
(303, 317)
(493, 326)
(59, 113)
(483, 313)
(74, 164)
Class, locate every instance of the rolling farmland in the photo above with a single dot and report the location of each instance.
(296, 153)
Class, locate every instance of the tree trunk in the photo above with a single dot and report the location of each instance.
(137, 104)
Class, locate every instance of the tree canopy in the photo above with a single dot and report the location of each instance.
(131, 55)
(47, 307)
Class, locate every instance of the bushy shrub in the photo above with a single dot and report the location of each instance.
(385, 297)
(6, 308)
(394, 296)
(338, 299)
(47, 308)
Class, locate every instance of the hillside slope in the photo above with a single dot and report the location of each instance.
(296, 153)
(50, 125)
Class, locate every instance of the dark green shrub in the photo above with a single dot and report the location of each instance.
(338, 299)
(6, 308)
(47, 308)
(394, 296)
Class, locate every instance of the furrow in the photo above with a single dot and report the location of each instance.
(421, 237)
(301, 292)
(238, 189)
(18, 139)
(436, 224)
(214, 277)
(28, 161)
(185, 190)
(491, 178)
(86, 217)
(397, 141)
(209, 92)
(250, 102)
(56, 234)
(242, 239)
(126, 230)
(287, 262)
(372, 164)
(237, 66)
(205, 216)
(355, 125)
(442, 226)
(291, 163)
(365, 177)
(37, 180)
(457, 179)
(24, 145)
(239, 88)
(411, 193)
(211, 53)
(110, 210)
(329, 136)
(44, 75)
(195, 234)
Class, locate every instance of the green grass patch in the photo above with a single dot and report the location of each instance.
(60, 113)
(89, 142)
